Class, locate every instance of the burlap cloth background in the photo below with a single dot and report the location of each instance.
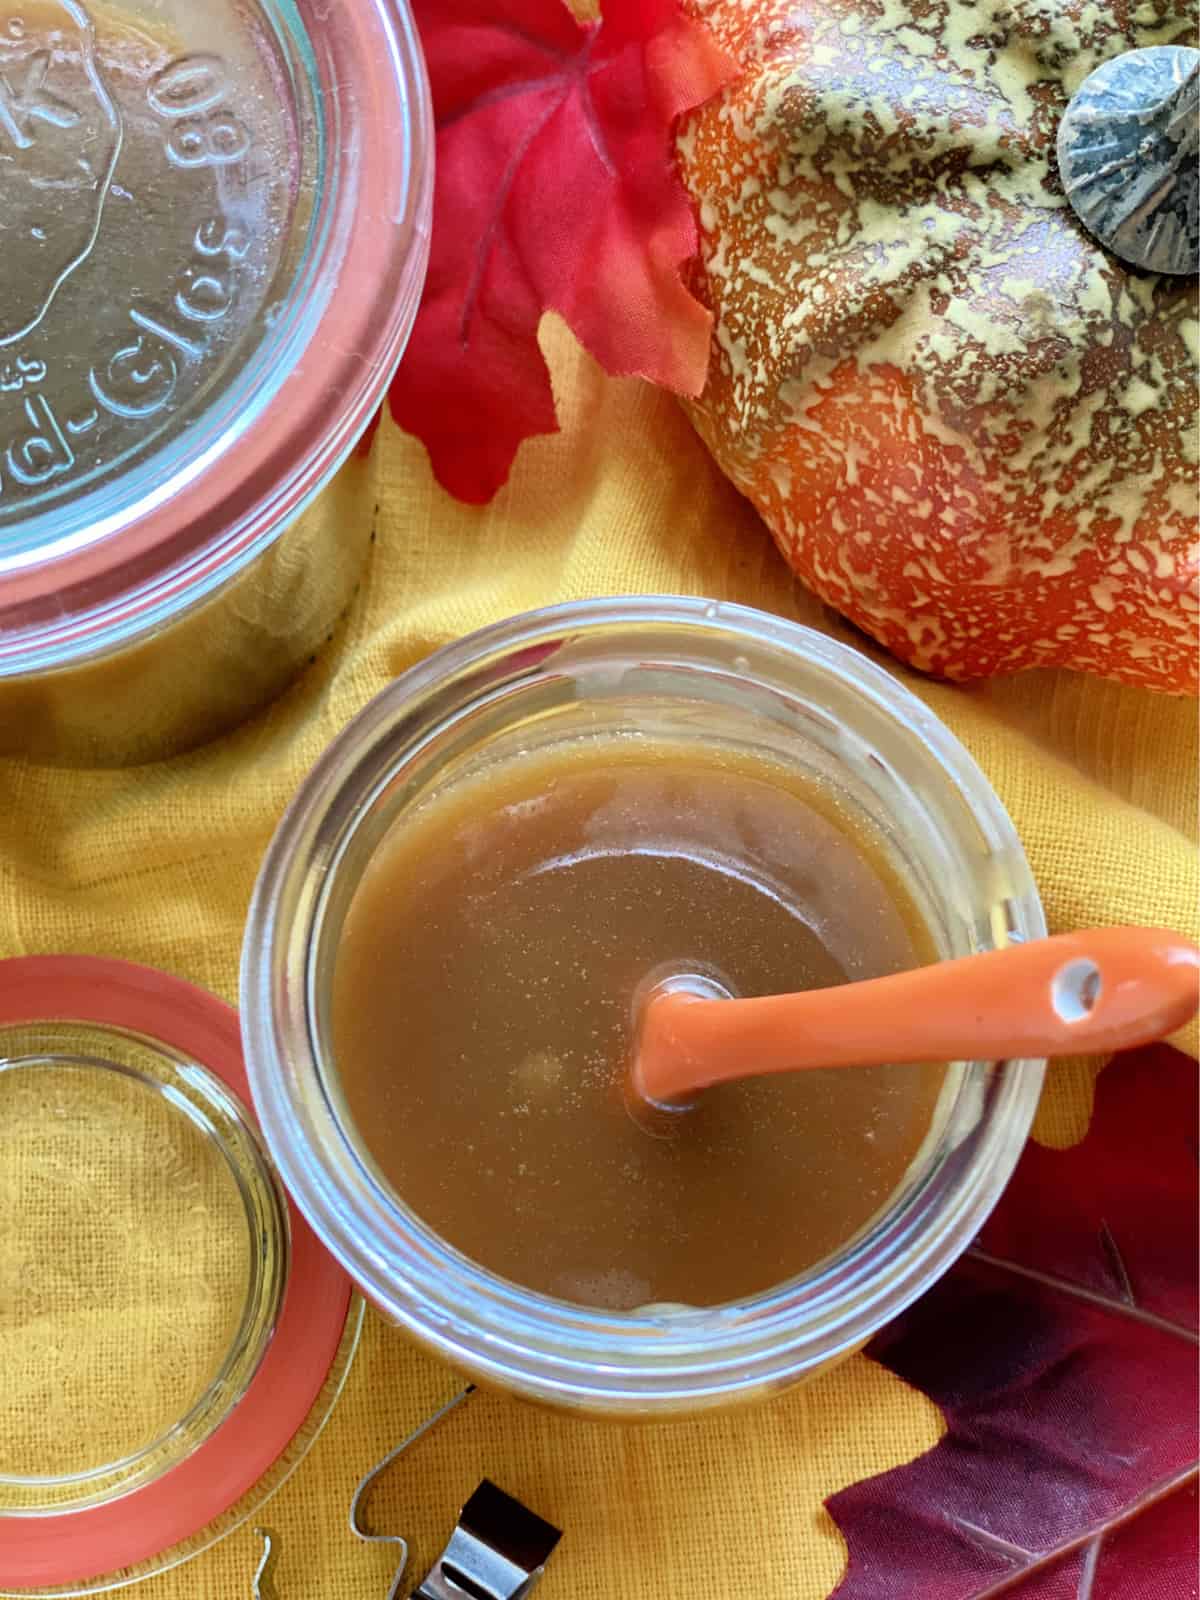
(157, 866)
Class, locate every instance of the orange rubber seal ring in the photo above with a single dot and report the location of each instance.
(45, 1551)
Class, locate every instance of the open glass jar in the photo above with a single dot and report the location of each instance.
(656, 669)
(216, 224)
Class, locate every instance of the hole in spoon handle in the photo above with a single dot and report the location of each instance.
(1075, 989)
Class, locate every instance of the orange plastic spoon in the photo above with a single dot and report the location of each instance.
(1106, 989)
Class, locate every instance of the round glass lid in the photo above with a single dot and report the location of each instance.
(156, 190)
(173, 1335)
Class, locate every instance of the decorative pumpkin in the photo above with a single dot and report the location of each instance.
(970, 428)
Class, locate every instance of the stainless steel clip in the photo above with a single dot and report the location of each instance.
(264, 1588)
(498, 1551)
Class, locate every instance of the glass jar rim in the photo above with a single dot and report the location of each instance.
(212, 500)
(547, 1348)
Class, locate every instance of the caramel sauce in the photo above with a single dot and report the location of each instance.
(482, 1019)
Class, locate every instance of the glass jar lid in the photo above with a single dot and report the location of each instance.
(174, 1335)
(212, 259)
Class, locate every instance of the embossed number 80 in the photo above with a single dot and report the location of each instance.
(217, 140)
(188, 93)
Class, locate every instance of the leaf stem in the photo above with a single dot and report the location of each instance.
(1091, 1565)
(1093, 1297)
(500, 200)
(1162, 1490)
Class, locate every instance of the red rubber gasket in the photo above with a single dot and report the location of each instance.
(45, 1551)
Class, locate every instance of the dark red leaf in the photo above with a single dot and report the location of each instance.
(1063, 1352)
(556, 190)
(1153, 1557)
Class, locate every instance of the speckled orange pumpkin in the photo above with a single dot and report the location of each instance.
(971, 429)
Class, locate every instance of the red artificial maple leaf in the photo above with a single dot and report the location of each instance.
(556, 189)
(1062, 1350)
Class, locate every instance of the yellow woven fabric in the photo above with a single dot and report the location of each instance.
(157, 865)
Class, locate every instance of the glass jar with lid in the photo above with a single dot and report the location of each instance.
(214, 225)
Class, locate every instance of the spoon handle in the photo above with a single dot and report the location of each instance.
(1099, 990)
